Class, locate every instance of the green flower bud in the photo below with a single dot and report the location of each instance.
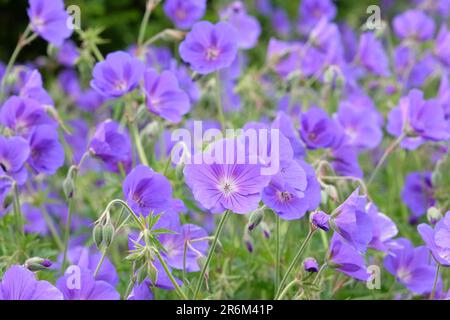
(68, 187)
(37, 264)
(108, 234)
(434, 215)
(97, 234)
(256, 217)
(152, 272)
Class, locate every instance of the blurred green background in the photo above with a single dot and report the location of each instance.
(121, 20)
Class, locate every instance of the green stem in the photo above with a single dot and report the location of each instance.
(137, 140)
(388, 151)
(18, 212)
(277, 253)
(211, 252)
(151, 4)
(52, 228)
(99, 264)
(219, 102)
(67, 228)
(23, 41)
(180, 292)
(286, 289)
(436, 278)
(295, 261)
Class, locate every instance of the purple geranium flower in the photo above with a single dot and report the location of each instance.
(317, 130)
(68, 54)
(384, 229)
(321, 220)
(248, 26)
(30, 85)
(344, 258)
(14, 152)
(79, 284)
(88, 259)
(50, 20)
(185, 247)
(147, 191)
(371, 55)
(411, 266)
(414, 24)
(418, 193)
(47, 153)
(112, 144)
(164, 96)
(352, 222)
(221, 184)
(19, 283)
(420, 119)
(22, 114)
(438, 240)
(35, 221)
(119, 74)
(312, 11)
(345, 161)
(208, 48)
(141, 291)
(184, 13)
(442, 45)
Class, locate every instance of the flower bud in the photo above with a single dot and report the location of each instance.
(97, 234)
(310, 265)
(248, 242)
(141, 275)
(256, 217)
(37, 264)
(152, 272)
(108, 234)
(331, 191)
(320, 220)
(434, 215)
(68, 187)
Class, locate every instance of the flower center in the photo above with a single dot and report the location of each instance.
(38, 22)
(227, 187)
(180, 14)
(120, 85)
(285, 196)
(404, 275)
(212, 54)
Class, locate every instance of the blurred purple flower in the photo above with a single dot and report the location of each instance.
(208, 48)
(184, 13)
(442, 45)
(112, 145)
(79, 284)
(141, 291)
(14, 152)
(50, 20)
(411, 266)
(46, 152)
(312, 11)
(344, 258)
(418, 193)
(371, 55)
(437, 240)
(68, 54)
(19, 283)
(413, 24)
(317, 130)
(164, 96)
(119, 74)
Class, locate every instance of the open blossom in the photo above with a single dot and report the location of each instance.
(346, 259)
(437, 240)
(30, 85)
(371, 55)
(112, 144)
(411, 266)
(23, 114)
(352, 222)
(86, 287)
(14, 152)
(208, 48)
(421, 119)
(19, 283)
(442, 45)
(147, 191)
(164, 96)
(50, 20)
(47, 153)
(248, 26)
(119, 74)
(414, 24)
(184, 13)
(312, 11)
(384, 229)
(292, 191)
(317, 130)
(418, 193)
(226, 185)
